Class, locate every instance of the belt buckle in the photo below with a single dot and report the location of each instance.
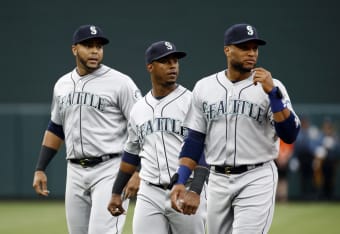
(227, 170)
(84, 162)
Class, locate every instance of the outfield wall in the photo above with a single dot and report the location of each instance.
(23, 126)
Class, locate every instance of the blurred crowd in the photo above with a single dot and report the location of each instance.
(313, 159)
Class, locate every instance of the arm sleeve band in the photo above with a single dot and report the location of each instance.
(193, 145)
(200, 176)
(184, 173)
(45, 157)
(133, 159)
(120, 182)
(288, 129)
(276, 103)
(56, 129)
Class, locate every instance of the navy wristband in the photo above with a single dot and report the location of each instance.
(275, 97)
(184, 173)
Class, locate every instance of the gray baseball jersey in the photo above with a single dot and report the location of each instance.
(93, 111)
(156, 134)
(239, 127)
(237, 120)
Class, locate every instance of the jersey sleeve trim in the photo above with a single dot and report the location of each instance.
(133, 159)
(193, 145)
(56, 129)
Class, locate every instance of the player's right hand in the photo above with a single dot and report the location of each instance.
(40, 183)
(191, 202)
(177, 197)
(132, 186)
(115, 205)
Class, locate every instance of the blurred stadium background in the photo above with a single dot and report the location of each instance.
(36, 36)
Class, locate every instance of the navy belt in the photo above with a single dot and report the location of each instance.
(235, 170)
(92, 161)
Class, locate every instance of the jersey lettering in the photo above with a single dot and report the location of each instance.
(160, 125)
(215, 111)
(82, 98)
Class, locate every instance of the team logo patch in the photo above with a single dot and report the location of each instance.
(138, 94)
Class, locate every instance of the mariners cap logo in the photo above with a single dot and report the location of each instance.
(93, 30)
(168, 45)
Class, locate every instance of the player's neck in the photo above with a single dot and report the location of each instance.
(235, 76)
(161, 90)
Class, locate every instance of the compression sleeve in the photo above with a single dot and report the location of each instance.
(45, 157)
(120, 182)
(193, 145)
(288, 129)
(201, 174)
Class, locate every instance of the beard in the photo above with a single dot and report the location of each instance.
(169, 83)
(238, 66)
(89, 69)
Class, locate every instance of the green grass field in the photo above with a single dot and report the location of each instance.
(41, 217)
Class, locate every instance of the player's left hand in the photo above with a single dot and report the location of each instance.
(115, 206)
(40, 183)
(263, 77)
(177, 197)
(132, 186)
(191, 202)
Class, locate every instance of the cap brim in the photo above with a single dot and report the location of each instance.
(258, 41)
(178, 54)
(103, 39)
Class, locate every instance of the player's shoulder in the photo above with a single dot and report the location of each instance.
(139, 106)
(206, 81)
(279, 84)
(115, 74)
(64, 79)
(183, 90)
(120, 79)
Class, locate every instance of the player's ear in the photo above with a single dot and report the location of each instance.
(74, 50)
(149, 67)
(226, 50)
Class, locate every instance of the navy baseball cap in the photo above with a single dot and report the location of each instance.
(240, 33)
(161, 49)
(86, 32)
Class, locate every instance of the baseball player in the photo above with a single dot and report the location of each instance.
(90, 109)
(155, 137)
(237, 117)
